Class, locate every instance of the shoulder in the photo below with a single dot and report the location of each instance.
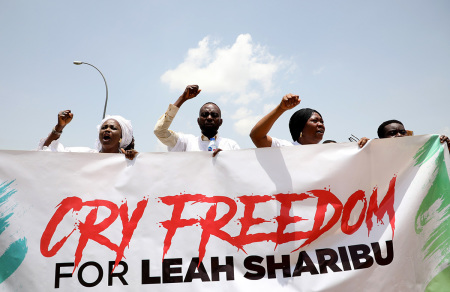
(280, 142)
(183, 141)
(186, 137)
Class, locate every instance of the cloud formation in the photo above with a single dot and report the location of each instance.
(243, 70)
(240, 74)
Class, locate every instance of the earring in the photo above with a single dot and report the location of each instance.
(120, 141)
(301, 134)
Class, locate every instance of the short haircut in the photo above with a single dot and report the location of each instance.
(384, 124)
(328, 141)
(210, 102)
(298, 121)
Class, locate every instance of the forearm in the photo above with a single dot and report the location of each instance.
(179, 102)
(161, 130)
(54, 135)
(259, 132)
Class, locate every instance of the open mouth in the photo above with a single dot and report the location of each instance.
(106, 137)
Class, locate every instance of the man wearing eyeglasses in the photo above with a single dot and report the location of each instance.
(395, 129)
(209, 121)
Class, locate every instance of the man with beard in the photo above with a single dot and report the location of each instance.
(209, 121)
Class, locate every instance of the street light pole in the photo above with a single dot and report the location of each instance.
(106, 85)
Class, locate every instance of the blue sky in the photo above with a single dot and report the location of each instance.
(358, 63)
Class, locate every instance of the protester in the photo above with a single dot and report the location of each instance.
(391, 129)
(329, 141)
(209, 121)
(115, 136)
(396, 129)
(306, 125)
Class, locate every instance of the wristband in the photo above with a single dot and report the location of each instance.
(56, 132)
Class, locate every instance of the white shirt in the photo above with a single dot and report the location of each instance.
(187, 142)
(280, 142)
(56, 146)
(179, 142)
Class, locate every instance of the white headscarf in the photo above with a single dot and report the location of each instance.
(127, 131)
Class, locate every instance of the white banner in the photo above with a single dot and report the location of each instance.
(309, 218)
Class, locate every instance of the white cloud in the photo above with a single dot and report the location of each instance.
(269, 107)
(247, 97)
(241, 75)
(244, 125)
(241, 113)
(246, 119)
(243, 70)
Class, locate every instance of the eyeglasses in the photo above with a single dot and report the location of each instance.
(206, 114)
(395, 132)
(353, 138)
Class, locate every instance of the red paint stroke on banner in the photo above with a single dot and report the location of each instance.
(212, 226)
(325, 199)
(89, 230)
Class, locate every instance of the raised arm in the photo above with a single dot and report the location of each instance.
(64, 118)
(161, 130)
(261, 129)
(190, 92)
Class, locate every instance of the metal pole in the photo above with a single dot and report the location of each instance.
(106, 85)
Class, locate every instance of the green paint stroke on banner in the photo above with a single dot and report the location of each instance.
(4, 196)
(438, 196)
(16, 252)
(440, 283)
(12, 258)
(3, 189)
(428, 150)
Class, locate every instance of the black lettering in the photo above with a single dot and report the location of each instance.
(260, 271)
(192, 274)
(146, 279)
(120, 275)
(168, 270)
(377, 253)
(285, 265)
(344, 258)
(58, 274)
(331, 262)
(228, 268)
(303, 257)
(99, 278)
(360, 252)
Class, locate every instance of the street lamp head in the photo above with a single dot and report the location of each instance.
(106, 85)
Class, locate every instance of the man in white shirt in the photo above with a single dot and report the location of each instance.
(209, 121)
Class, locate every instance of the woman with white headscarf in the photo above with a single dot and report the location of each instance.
(115, 135)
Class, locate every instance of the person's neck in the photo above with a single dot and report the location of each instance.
(304, 141)
(210, 134)
(110, 150)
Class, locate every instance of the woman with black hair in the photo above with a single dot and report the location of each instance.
(306, 125)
